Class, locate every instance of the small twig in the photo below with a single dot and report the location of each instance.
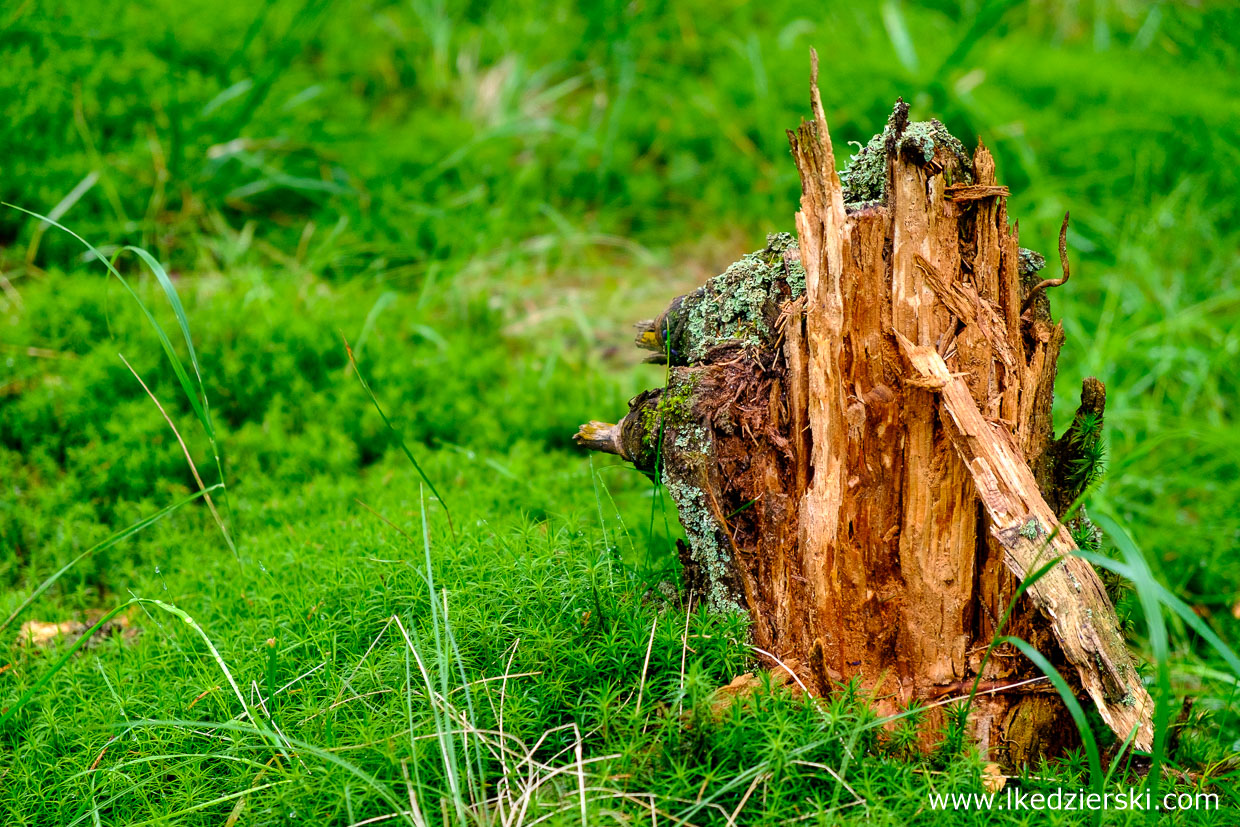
(641, 687)
(785, 667)
(974, 192)
(684, 651)
(1063, 263)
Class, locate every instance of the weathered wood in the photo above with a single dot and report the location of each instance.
(1070, 593)
(857, 434)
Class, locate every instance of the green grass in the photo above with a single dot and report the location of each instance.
(480, 199)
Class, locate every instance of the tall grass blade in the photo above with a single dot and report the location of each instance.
(400, 441)
(123, 534)
(1148, 593)
(175, 360)
(1007, 615)
(442, 664)
(1074, 708)
(7, 714)
(189, 458)
(301, 747)
(197, 398)
(1175, 604)
(898, 33)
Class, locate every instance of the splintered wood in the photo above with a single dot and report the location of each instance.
(857, 434)
(930, 395)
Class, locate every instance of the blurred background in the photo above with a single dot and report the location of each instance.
(381, 139)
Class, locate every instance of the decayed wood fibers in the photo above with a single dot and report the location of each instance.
(861, 450)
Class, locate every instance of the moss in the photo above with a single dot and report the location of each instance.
(676, 403)
(674, 408)
(650, 426)
(1086, 535)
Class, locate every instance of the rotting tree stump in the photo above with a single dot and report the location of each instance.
(856, 430)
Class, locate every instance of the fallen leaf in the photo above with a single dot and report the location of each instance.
(42, 634)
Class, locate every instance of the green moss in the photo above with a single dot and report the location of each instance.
(676, 403)
(1086, 535)
(650, 426)
(674, 408)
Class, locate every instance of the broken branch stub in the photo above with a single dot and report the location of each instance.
(857, 434)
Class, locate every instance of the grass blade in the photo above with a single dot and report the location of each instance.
(1074, 707)
(399, 439)
(182, 376)
(7, 714)
(1175, 604)
(123, 534)
(1148, 593)
(197, 398)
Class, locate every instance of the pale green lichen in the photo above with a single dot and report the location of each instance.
(737, 307)
(927, 136)
(1029, 263)
(864, 178)
(796, 279)
(708, 546)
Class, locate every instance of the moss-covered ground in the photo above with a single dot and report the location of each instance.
(481, 197)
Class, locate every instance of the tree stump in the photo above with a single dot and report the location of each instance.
(856, 430)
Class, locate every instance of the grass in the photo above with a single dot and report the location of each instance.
(481, 199)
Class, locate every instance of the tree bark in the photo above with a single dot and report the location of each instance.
(857, 433)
